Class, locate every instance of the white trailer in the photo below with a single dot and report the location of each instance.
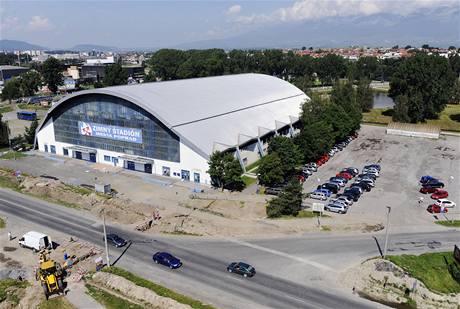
(35, 241)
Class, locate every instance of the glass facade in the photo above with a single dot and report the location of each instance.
(158, 142)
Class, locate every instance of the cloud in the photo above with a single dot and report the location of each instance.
(38, 23)
(318, 9)
(234, 9)
(10, 23)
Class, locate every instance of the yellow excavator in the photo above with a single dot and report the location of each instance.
(50, 274)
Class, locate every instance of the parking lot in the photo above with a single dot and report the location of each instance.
(403, 161)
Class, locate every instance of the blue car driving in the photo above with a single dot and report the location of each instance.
(167, 259)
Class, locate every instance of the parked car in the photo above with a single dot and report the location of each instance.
(167, 259)
(433, 184)
(363, 185)
(349, 195)
(371, 176)
(376, 166)
(313, 164)
(311, 167)
(425, 179)
(334, 188)
(445, 203)
(346, 198)
(116, 240)
(339, 201)
(301, 178)
(368, 181)
(435, 209)
(351, 170)
(354, 190)
(318, 195)
(372, 172)
(307, 171)
(439, 194)
(427, 189)
(336, 207)
(339, 179)
(325, 191)
(345, 175)
(273, 191)
(242, 269)
(338, 182)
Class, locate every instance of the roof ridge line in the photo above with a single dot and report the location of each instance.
(234, 111)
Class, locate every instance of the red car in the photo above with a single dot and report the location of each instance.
(319, 162)
(439, 194)
(426, 190)
(301, 178)
(345, 175)
(435, 209)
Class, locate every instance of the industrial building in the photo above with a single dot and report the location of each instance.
(171, 128)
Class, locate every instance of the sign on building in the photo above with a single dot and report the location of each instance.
(319, 207)
(111, 132)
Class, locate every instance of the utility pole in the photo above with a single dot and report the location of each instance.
(386, 232)
(105, 239)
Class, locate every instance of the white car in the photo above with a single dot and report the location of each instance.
(318, 196)
(347, 201)
(337, 201)
(371, 171)
(445, 203)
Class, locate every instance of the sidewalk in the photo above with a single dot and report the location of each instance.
(78, 297)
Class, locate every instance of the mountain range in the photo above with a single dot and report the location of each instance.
(436, 28)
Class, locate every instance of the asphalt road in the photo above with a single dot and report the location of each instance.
(203, 274)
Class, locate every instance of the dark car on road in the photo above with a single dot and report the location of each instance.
(116, 240)
(433, 184)
(425, 179)
(376, 166)
(352, 191)
(363, 185)
(167, 259)
(242, 269)
(349, 195)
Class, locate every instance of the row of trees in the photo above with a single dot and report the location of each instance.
(171, 64)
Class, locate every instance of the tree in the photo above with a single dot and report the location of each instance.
(29, 134)
(288, 203)
(456, 92)
(288, 152)
(270, 170)
(4, 133)
(339, 120)
(364, 95)
(401, 109)
(344, 95)
(30, 83)
(225, 171)
(12, 89)
(115, 75)
(165, 63)
(52, 74)
(366, 67)
(427, 81)
(330, 68)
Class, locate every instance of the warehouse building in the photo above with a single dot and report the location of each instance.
(171, 128)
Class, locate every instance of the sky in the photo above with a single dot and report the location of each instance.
(148, 23)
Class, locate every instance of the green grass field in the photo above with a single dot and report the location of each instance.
(13, 155)
(108, 300)
(449, 223)
(449, 119)
(8, 288)
(431, 269)
(6, 109)
(158, 289)
(54, 303)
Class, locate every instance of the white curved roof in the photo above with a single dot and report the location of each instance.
(221, 109)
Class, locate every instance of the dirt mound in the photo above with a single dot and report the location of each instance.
(385, 282)
(132, 291)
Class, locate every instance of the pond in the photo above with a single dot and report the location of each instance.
(382, 100)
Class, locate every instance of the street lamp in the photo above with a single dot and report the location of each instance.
(105, 238)
(386, 232)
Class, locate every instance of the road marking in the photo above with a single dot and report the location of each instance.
(283, 254)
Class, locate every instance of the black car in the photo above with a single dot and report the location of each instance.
(330, 186)
(363, 185)
(376, 166)
(353, 191)
(350, 196)
(434, 183)
(116, 240)
(166, 259)
(242, 269)
(371, 176)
